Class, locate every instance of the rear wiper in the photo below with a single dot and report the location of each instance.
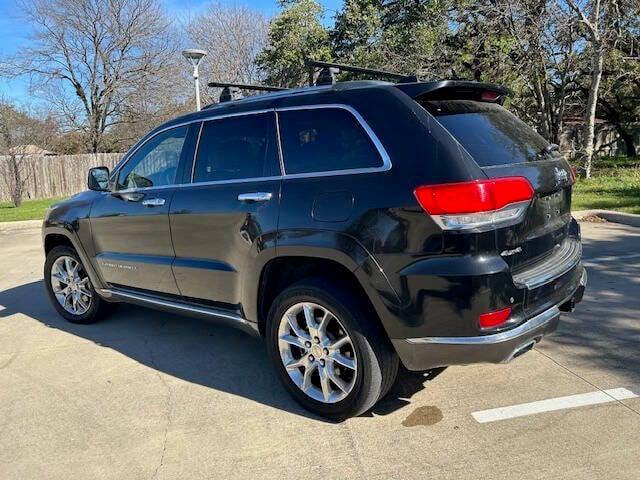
(552, 147)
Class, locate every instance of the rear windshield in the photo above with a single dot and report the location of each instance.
(490, 133)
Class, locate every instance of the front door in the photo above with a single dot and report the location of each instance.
(130, 224)
(224, 224)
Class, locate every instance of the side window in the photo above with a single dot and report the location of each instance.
(324, 140)
(237, 147)
(155, 163)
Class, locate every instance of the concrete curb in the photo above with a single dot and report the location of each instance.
(6, 227)
(610, 216)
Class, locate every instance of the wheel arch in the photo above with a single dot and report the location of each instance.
(324, 255)
(55, 236)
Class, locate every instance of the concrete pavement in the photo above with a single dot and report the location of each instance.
(148, 395)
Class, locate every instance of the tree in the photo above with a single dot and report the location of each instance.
(602, 23)
(92, 56)
(20, 131)
(295, 35)
(232, 35)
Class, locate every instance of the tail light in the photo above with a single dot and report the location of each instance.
(476, 205)
(494, 319)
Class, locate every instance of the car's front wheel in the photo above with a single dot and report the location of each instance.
(330, 352)
(70, 288)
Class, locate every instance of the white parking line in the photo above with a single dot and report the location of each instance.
(553, 404)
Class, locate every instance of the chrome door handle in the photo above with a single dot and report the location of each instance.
(255, 197)
(153, 202)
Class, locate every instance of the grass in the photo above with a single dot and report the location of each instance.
(615, 185)
(29, 210)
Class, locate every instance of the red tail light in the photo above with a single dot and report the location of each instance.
(476, 204)
(489, 96)
(494, 319)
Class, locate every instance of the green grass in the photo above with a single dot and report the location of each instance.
(29, 210)
(609, 189)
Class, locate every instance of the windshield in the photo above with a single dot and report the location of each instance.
(491, 134)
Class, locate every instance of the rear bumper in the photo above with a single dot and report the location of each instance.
(430, 352)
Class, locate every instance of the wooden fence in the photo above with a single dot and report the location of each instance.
(60, 175)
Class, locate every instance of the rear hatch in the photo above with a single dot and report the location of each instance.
(543, 249)
(504, 146)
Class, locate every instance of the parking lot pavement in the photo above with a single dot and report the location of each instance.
(151, 395)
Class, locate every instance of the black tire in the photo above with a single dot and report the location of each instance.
(98, 307)
(377, 361)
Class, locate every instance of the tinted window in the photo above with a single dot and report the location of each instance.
(489, 132)
(237, 147)
(155, 163)
(325, 139)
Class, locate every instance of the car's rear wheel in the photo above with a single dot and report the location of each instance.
(330, 352)
(70, 288)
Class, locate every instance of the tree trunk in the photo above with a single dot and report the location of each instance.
(597, 61)
(15, 187)
(629, 143)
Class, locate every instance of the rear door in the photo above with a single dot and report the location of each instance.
(224, 223)
(130, 224)
(503, 146)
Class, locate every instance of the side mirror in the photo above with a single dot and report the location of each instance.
(98, 179)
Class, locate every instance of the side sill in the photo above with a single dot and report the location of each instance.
(219, 316)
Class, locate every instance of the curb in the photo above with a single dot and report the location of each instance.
(6, 227)
(631, 219)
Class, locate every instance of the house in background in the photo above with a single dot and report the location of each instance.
(30, 150)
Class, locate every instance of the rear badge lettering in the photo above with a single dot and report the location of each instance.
(561, 175)
(508, 253)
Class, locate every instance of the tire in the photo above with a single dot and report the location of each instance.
(368, 350)
(96, 307)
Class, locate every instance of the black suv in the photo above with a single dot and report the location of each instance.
(354, 226)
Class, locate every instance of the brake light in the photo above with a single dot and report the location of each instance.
(489, 96)
(494, 319)
(478, 204)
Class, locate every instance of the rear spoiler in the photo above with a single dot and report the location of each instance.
(455, 90)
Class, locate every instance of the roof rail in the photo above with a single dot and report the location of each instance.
(328, 69)
(231, 91)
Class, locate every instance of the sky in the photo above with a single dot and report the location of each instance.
(14, 31)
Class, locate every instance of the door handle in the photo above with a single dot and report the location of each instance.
(153, 202)
(255, 197)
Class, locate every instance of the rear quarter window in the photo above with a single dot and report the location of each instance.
(325, 140)
(490, 133)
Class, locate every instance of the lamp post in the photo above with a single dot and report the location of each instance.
(195, 56)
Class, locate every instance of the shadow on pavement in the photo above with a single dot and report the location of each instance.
(189, 349)
(604, 331)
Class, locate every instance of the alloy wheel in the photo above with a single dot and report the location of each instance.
(70, 285)
(317, 352)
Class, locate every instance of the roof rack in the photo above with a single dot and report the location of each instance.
(232, 91)
(329, 69)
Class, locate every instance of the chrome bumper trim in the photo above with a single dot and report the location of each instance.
(560, 262)
(534, 323)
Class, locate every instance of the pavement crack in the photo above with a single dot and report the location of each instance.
(169, 410)
(9, 361)
(354, 448)
(587, 381)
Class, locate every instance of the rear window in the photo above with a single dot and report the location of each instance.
(325, 140)
(491, 134)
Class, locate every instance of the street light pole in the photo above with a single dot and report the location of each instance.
(195, 57)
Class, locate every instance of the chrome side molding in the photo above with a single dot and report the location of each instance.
(220, 316)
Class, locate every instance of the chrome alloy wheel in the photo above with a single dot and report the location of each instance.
(70, 285)
(317, 352)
